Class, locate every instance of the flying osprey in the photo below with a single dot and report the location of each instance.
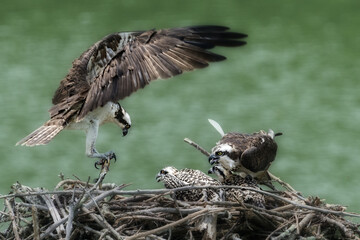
(248, 153)
(174, 178)
(118, 65)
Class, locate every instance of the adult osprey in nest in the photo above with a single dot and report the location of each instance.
(118, 65)
(245, 153)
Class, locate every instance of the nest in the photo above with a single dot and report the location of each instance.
(80, 210)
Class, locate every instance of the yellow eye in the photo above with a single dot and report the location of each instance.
(219, 153)
(162, 172)
(127, 126)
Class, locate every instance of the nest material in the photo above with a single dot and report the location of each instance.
(81, 211)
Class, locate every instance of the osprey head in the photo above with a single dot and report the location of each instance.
(219, 171)
(122, 118)
(165, 172)
(222, 151)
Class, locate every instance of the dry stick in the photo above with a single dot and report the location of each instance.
(13, 220)
(156, 191)
(340, 226)
(69, 224)
(197, 146)
(87, 228)
(70, 181)
(52, 227)
(290, 232)
(104, 195)
(103, 223)
(19, 217)
(284, 184)
(305, 221)
(170, 225)
(35, 219)
(54, 214)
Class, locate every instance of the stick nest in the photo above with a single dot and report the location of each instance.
(79, 210)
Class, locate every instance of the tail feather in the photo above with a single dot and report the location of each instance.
(41, 136)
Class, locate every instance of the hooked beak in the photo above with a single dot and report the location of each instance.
(125, 131)
(213, 159)
(158, 178)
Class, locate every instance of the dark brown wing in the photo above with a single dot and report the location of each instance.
(239, 141)
(125, 62)
(260, 153)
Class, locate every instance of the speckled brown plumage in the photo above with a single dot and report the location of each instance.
(174, 178)
(227, 177)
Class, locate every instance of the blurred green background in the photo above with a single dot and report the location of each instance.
(299, 74)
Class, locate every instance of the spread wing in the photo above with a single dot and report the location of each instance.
(122, 63)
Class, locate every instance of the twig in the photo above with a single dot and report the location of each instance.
(305, 221)
(69, 224)
(170, 225)
(104, 223)
(341, 226)
(13, 220)
(54, 214)
(197, 146)
(52, 227)
(35, 219)
(290, 233)
(157, 191)
(285, 185)
(104, 195)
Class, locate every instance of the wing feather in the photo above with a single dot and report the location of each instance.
(122, 63)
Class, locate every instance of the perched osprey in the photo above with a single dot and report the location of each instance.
(226, 177)
(174, 178)
(242, 152)
(118, 65)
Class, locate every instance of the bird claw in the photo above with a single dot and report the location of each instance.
(105, 160)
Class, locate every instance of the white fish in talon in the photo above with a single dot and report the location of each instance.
(119, 65)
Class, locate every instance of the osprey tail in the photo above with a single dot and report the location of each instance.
(42, 135)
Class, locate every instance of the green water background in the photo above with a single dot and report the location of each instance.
(299, 74)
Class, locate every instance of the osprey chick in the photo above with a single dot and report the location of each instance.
(226, 177)
(174, 178)
(118, 65)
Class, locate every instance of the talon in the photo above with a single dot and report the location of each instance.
(110, 155)
(104, 159)
(99, 162)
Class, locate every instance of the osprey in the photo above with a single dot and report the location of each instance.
(245, 153)
(226, 177)
(118, 65)
(174, 178)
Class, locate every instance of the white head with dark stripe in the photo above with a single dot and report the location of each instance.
(122, 119)
(220, 172)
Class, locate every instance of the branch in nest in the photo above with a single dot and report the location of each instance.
(197, 146)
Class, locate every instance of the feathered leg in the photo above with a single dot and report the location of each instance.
(91, 135)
